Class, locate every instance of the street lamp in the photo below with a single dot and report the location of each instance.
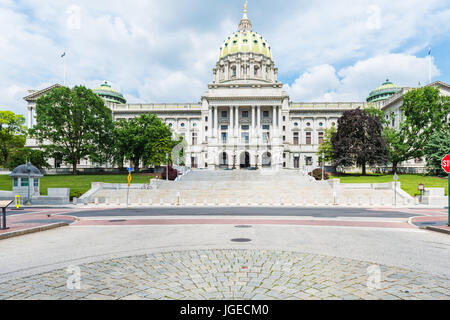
(323, 165)
(167, 168)
(29, 182)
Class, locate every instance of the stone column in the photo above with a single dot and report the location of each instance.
(188, 132)
(253, 126)
(30, 119)
(236, 124)
(216, 122)
(231, 127)
(210, 129)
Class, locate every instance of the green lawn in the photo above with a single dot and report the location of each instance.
(78, 184)
(409, 182)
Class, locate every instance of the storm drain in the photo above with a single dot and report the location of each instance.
(117, 220)
(243, 226)
(241, 240)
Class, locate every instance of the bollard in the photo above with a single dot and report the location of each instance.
(382, 201)
(107, 201)
(315, 202)
(281, 201)
(140, 201)
(359, 201)
(85, 201)
(327, 202)
(150, 201)
(75, 200)
(238, 202)
(371, 201)
(393, 201)
(161, 202)
(194, 201)
(227, 202)
(304, 202)
(118, 201)
(205, 202)
(217, 202)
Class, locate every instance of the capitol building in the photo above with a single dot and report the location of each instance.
(245, 119)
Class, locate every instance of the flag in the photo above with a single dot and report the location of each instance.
(63, 55)
(429, 51)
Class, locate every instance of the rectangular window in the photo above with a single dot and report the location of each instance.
(284, 138)
(245, 136)
(224, 114)
(24, 182)
(284, 118)
(224, 127)
(245, 127)
(206, 129)
(206, 119)
(36, 182)
(266, 127)
(320, 137)
(244, 114)
(296, 162)
(266, 137)
(265, 114)
(309, 161)
(308, 138)
(296, 138)
(284, 128)
(16, 182)
(224, 137)
(194, 138)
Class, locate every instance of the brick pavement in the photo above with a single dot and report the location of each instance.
(243, 274)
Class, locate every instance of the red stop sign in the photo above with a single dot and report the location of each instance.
(446, 163)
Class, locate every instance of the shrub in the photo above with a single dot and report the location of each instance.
(173, 173)
(317, 174)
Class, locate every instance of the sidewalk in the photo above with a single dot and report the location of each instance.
(24, 223)
(438, 223)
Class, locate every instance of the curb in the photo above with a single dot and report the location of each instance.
(32, 230)
(437, 229)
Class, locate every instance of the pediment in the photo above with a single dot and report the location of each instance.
(35, 95)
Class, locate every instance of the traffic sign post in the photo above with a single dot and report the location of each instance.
(446, 167)
(129, 178)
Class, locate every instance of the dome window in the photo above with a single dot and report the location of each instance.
(321, 124)
(245, 41)
(182, 125)
(235, 41)
(264, 44)
(255, 41)
(296, 124)
(308, 124)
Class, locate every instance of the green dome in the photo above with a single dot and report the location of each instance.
(245, 42)
(109, 94)
(383, 92)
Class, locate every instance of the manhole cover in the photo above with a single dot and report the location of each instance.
(117, 220)
(241, 240)
(242, 226)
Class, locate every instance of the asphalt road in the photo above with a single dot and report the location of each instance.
(245, 211)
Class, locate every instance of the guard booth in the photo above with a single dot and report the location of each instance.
(26, 178)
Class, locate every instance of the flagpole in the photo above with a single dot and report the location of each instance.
(429, 65)
(64, 67)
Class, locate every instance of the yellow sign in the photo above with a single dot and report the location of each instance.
(129, 179)
(17, 201)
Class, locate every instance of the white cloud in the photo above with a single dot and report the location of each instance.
(354, 83)
(161, 51)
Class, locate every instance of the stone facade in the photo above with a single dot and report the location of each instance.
(245, 119)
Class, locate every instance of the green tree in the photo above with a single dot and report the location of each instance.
(145, 138)
(12, 135)
(437, 147)
(424, 111)
(326, 146)
(37, 157)
(72, 124)
(359, 140)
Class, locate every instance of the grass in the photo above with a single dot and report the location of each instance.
(78, 184)
(409, 182)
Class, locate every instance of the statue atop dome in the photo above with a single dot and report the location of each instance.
(245, 24)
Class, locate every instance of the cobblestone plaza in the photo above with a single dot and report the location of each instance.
(229, 274)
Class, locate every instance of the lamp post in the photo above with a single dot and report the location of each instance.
(323, 164)
(29, 182)
(167, 168)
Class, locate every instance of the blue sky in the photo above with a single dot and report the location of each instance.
(164, 51)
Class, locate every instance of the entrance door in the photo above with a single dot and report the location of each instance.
(296, 162)
(245, 160)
